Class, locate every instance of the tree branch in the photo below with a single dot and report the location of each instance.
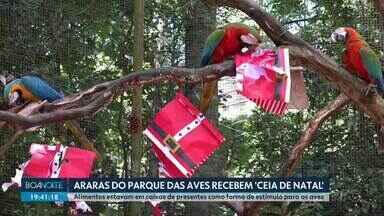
(80, 136)
(311, 130)
(100, 95)
(92, 100)
(299, 20)
(312, 59)
(253, 208)
(25, 122)
(309, 134)
(379, 5)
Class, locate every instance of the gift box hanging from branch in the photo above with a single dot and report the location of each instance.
(264, 77)
(55, 161)
(183, 139)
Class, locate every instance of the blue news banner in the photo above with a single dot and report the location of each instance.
(306, 189)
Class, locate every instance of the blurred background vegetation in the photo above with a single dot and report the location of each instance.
(79, 43)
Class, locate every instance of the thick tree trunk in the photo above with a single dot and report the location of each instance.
(200, 22)
(379, 4)
(137, 92)
(136, 116)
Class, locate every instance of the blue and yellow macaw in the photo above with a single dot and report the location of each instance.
(30, 88)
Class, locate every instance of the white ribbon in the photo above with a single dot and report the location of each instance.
(16, 179)
(55, 172)
(56, 163)
(189, 127)
(33, 150)
(36, 149)
(83, 206)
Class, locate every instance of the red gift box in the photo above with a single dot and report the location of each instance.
(264, 78)
(57, 161)
(183, 139)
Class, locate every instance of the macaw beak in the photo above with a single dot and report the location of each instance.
(249, 39)
(3, 80)
(339, 35)
(13, 98)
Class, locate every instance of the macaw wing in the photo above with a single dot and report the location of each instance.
(211, 44)
(41, 89)
(371, 63)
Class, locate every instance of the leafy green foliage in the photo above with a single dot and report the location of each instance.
(77, 44)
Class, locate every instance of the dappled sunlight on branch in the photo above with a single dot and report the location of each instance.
(89, 102)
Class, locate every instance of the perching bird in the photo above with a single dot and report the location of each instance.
(359, 58)
(30, 88)
(222, 44)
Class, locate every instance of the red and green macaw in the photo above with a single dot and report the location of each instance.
(359, 58)
(30, 88)
(221, 45)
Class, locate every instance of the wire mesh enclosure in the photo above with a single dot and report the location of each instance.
(76, 44)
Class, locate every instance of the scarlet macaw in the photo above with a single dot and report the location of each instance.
(219, 46)
(359, 58)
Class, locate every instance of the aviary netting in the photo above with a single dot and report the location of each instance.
(104, 95)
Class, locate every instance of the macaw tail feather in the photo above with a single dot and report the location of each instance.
(209, 90)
